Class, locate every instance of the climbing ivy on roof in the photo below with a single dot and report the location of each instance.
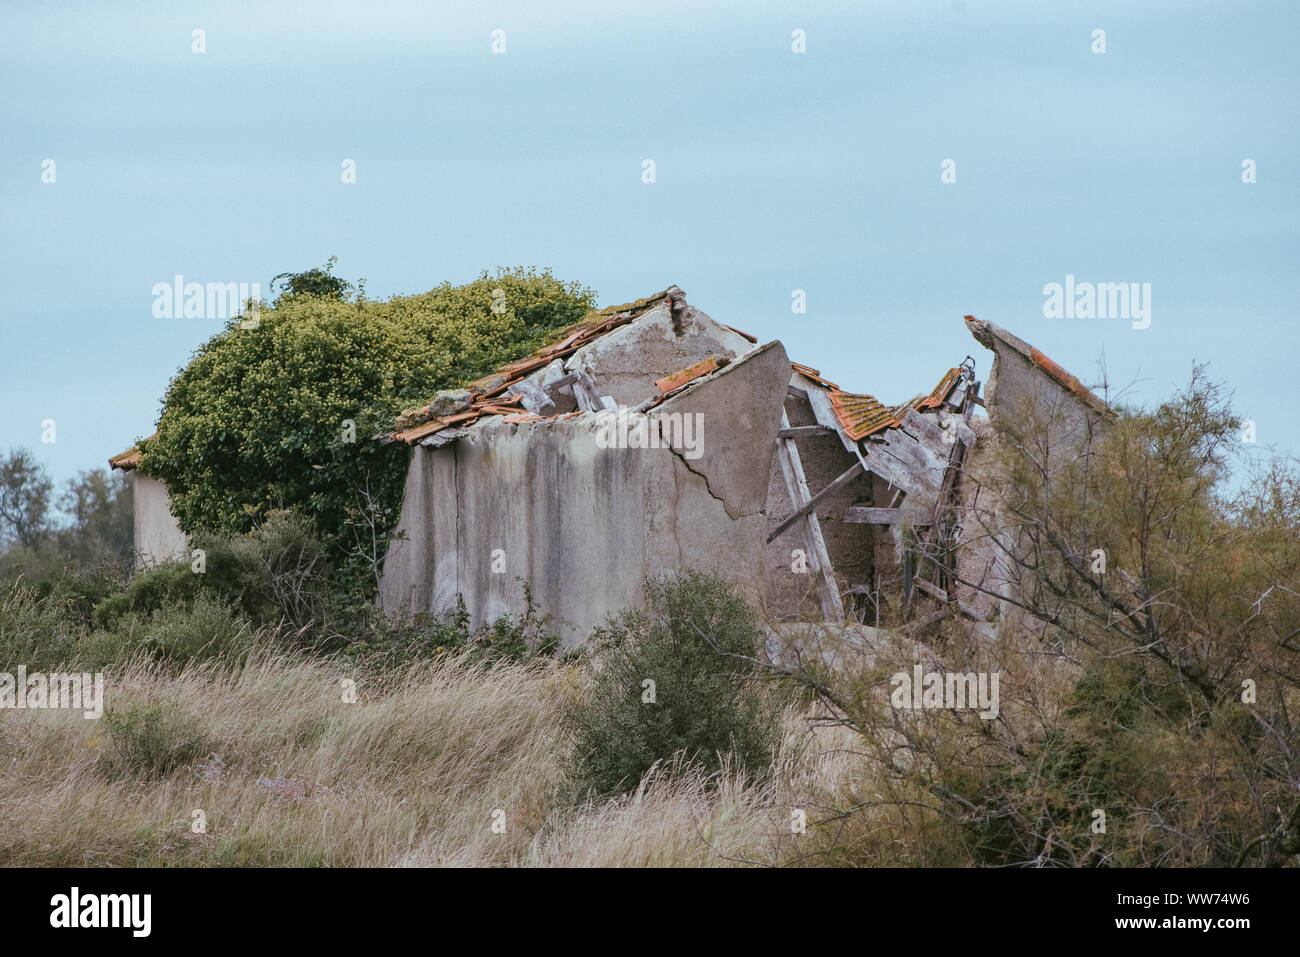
(281, 415)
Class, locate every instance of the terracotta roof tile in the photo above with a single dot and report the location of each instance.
(864, 415)
(740, 332)
(986, 333)
(671, 383)
(1060, 375)
(940, 393)
(860, 415)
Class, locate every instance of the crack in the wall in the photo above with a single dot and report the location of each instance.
(677, 498)
(709, 488)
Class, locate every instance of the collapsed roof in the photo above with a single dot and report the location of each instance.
(557, 381)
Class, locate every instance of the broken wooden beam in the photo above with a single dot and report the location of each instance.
(866, 515)
(852, 472)
(934, 591)
(802, 431)
(819, 559)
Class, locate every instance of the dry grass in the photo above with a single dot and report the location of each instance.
(409, 775)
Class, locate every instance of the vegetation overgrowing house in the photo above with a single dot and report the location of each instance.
(649, 439)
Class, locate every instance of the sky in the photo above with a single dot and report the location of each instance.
(774, 171)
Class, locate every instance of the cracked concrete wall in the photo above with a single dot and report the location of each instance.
(158, 536)
(585, 525)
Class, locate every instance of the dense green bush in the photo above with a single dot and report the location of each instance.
(150, 741)
(276, 575)
(207, 629)
(168, 584)
(259, 418)
(78, 590)
(697, 641)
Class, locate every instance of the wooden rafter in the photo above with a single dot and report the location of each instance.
(819, 560)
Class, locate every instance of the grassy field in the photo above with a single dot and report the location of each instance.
(440, 763)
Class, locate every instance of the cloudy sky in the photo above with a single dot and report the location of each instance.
(774, 171)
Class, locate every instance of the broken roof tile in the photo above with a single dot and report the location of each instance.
(863, 415)
(986, 332)
(940, 393)
(860, 415)
(671, 383)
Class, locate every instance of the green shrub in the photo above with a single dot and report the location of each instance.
(80, 588)
(428, 636)
(150, 741)
(275, 575)
(278, 573)
(161, 586)
(101, 650)
(696, 640)
(205, 630)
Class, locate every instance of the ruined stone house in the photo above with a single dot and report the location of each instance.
(650, 438)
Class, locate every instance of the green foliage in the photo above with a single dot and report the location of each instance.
(696, 640)
(78, 589)
(391, 643)
(168, 584)
(208, 629)
(319, 282)
(150, 741)
(258, 419)
(24, 498)
(276, 575)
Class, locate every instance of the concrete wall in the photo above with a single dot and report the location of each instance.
(586, 525)
(1022, 396)
(1023, 399)
(673, 335)
(158, 538)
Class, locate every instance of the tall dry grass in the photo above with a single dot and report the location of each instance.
(416, 772)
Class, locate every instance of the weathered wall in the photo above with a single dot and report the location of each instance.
(586, 525)
(1027, 395)
(673, 335)
(158, 538)
(1022, 395)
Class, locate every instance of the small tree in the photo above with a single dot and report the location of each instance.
(25, 489)
(98, 502)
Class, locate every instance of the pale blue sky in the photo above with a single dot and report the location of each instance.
(775, 171)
